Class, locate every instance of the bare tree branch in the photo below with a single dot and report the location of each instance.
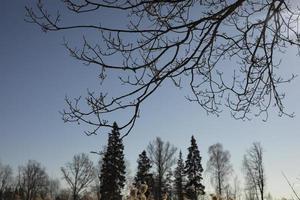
(291, 186)
(225, 52)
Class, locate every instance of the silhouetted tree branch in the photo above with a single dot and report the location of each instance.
(291, 186)
(186, 42)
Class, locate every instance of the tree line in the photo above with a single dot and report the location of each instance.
(166, 175)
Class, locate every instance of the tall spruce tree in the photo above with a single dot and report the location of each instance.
(143, 171)
(113, 167)
(193, 170)
(179, 178)
(143, 175)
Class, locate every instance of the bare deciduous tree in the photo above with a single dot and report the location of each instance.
(78, 174)
(225, 52)
(5, 178)
(219, 166)
(33, 179)
(254, 171)
(161, 155)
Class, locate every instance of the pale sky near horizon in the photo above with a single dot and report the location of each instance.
(36, 73)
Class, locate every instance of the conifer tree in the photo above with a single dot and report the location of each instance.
(113, 168)
(143, 171)
(168, 186)
(193, 170)
(143, 175)
(179, 178)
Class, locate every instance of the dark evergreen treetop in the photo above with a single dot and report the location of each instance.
(193, 170)
(144, 166)
(113, 168)
(179, 178)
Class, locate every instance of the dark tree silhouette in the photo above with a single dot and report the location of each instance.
(143, 169)
(143, 174)
(113, 167)
(225, 52)
(193, 170)
(219, 166)
(179, 178)
(33, 180)
(5, 179)
(78, 174)
(161, 155)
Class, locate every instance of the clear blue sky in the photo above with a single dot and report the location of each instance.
(36, 73)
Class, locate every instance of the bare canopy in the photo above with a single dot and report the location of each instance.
(224, 51)
(218, 165)
(33, 179)
(78, 174)
(5, 178)
(255, 178)
(161, 154)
